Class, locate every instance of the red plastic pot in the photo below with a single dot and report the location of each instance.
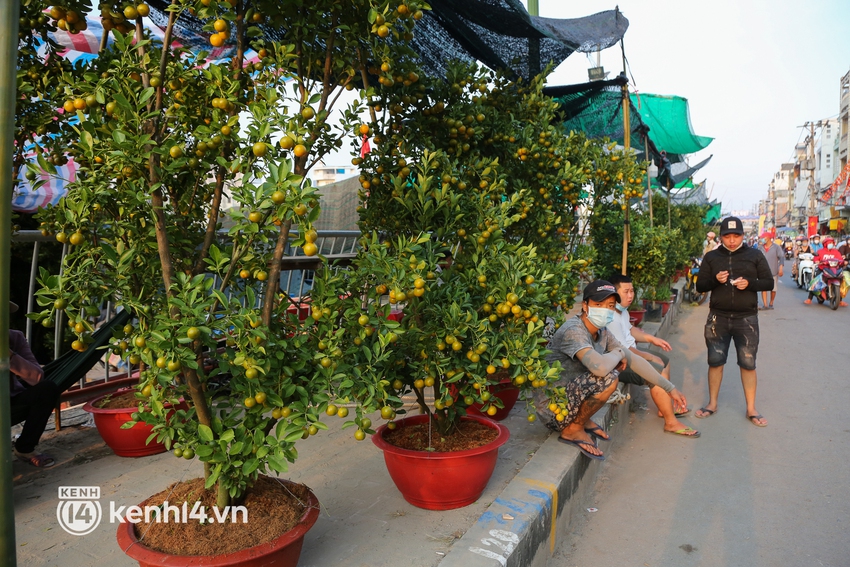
(130, 442)
(283, 551)
(441, 481)
(636, 316)
(505, 391)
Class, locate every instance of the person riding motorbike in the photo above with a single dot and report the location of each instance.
(800, 249)
(824, 255)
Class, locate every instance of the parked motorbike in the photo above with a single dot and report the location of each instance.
(805, 269)
(691, 293)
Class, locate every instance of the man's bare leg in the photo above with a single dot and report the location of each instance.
(592, 404)
(749, 381)
(665, 406)
(715, 378)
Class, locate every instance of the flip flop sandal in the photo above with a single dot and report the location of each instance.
(705, 410)
(593, 431)
(686, 432)
(753, 419)
(578, 444)
(36, 459)
(686, 411)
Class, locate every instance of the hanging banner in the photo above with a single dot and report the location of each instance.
(761, 223)
(812, 227)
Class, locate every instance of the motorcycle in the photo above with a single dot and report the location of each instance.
(691, 293)
(832, 274)
(805, 270)
(789, 251)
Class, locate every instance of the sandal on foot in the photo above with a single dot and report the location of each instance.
(753, 419)
(686, 432)
(580, 445)
(704, 410)
(594, 431)
(36, 459)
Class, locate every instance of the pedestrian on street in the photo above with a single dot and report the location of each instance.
(32, 398)
(629, 335)
(591, 359)
(710, 243)
(734, 274)
(776, 260)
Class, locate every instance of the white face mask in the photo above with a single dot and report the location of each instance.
(830, 246)
(601, 317)
(620, 308)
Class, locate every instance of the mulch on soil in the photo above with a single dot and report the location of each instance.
(422, 437)
(273, 508)
(121, 401)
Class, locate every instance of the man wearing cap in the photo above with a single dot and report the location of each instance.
(710, 243)
(776, 260)
(32, 399)
(734, 274)
(590, 360)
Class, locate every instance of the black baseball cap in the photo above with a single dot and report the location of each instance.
(731, 225)
(600, 289)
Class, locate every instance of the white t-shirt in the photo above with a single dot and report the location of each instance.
(621, 328)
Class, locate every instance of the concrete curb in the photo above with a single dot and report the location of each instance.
(522, 526)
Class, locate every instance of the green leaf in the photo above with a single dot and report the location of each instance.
(228, 436)
(205, 433)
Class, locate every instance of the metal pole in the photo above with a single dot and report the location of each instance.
(648, 180)
(9, 12)
(627, 143)
(669, 218)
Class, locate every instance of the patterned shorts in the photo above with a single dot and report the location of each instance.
(578, 389)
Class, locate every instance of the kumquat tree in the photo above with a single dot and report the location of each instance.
(191, 185)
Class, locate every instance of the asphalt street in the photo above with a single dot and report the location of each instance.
(740, 495)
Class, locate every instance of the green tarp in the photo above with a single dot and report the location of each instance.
(669, 123)
(595, 108)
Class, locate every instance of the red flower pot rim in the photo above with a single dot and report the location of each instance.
(501, 439)
(135, 549)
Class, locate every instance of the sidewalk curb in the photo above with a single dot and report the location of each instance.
(522, 526)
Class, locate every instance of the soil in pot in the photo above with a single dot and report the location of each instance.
(120, 401)
(273, 509)
(421, 437)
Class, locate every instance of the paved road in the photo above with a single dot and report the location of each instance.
(740, 495)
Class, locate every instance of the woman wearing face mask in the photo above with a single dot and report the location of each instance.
(827, 253)
(590, 360)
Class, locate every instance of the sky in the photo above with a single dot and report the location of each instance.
(753, 71)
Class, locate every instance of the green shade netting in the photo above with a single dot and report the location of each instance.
(669, 123)
(712, 215)
(595, 108)
(686, 184)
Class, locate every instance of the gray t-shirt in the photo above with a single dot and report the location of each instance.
(572, 337)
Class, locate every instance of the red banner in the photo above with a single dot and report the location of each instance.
(813, 226)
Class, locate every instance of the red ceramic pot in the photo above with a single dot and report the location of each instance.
(130, 442)
(283, 551)
(665, 307)
(636, 316)
(505, 391)
(441, 481)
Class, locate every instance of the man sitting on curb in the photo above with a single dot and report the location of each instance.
(629, 336)
(590, 359)
(33, 399)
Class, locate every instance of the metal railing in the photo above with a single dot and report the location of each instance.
(297, 271)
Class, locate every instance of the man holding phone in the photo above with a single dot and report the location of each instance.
(734, 274)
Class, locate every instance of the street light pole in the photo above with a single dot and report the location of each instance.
(9, 11)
